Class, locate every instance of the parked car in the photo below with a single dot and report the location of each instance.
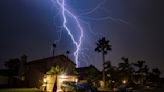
(78, 87)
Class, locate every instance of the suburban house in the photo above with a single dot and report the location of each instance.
(35, 74)
(89, 74)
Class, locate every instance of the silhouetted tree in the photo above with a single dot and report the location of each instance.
(142, 70)
(103, 47)
(111, 71)
(108, 68)
(107, 65)
(146, 69)
(126, 69)
(156, 72)
(155, 75)
(139, 65)
(13, 64)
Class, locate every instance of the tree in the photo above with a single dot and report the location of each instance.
(108, 66)
(111, 71)
(139, 65)
(126, 66)
(103, 47)
(13, 65)
(156, 75)
(156, 72)
(142, 70)
(53, 70)
(126, 69)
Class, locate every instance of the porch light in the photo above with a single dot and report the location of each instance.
(124, 81)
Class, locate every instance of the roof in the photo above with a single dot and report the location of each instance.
(49, 59)
(85, 72)
(87, 68)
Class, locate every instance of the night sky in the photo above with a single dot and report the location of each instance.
(134, 28)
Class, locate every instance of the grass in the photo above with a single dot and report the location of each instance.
(21, 90)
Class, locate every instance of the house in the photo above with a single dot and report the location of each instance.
(89, 74)
(36, 71)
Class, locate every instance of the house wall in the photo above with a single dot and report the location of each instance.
(50, 80)
(34, 78)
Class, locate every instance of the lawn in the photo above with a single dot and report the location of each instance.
(21, 90)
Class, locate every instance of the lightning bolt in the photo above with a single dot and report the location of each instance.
(78, 43)
(66, 13)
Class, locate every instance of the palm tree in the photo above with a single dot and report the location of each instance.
(108, 68)
(142, 70)
(111, 71)
(139, 65)
(124, 66)
(108, 65)
(103, 47)
(156, 72)
(126, 69)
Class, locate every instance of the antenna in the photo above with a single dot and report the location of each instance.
(67, 52)
(53, 49)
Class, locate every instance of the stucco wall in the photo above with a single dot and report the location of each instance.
(50, 80)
